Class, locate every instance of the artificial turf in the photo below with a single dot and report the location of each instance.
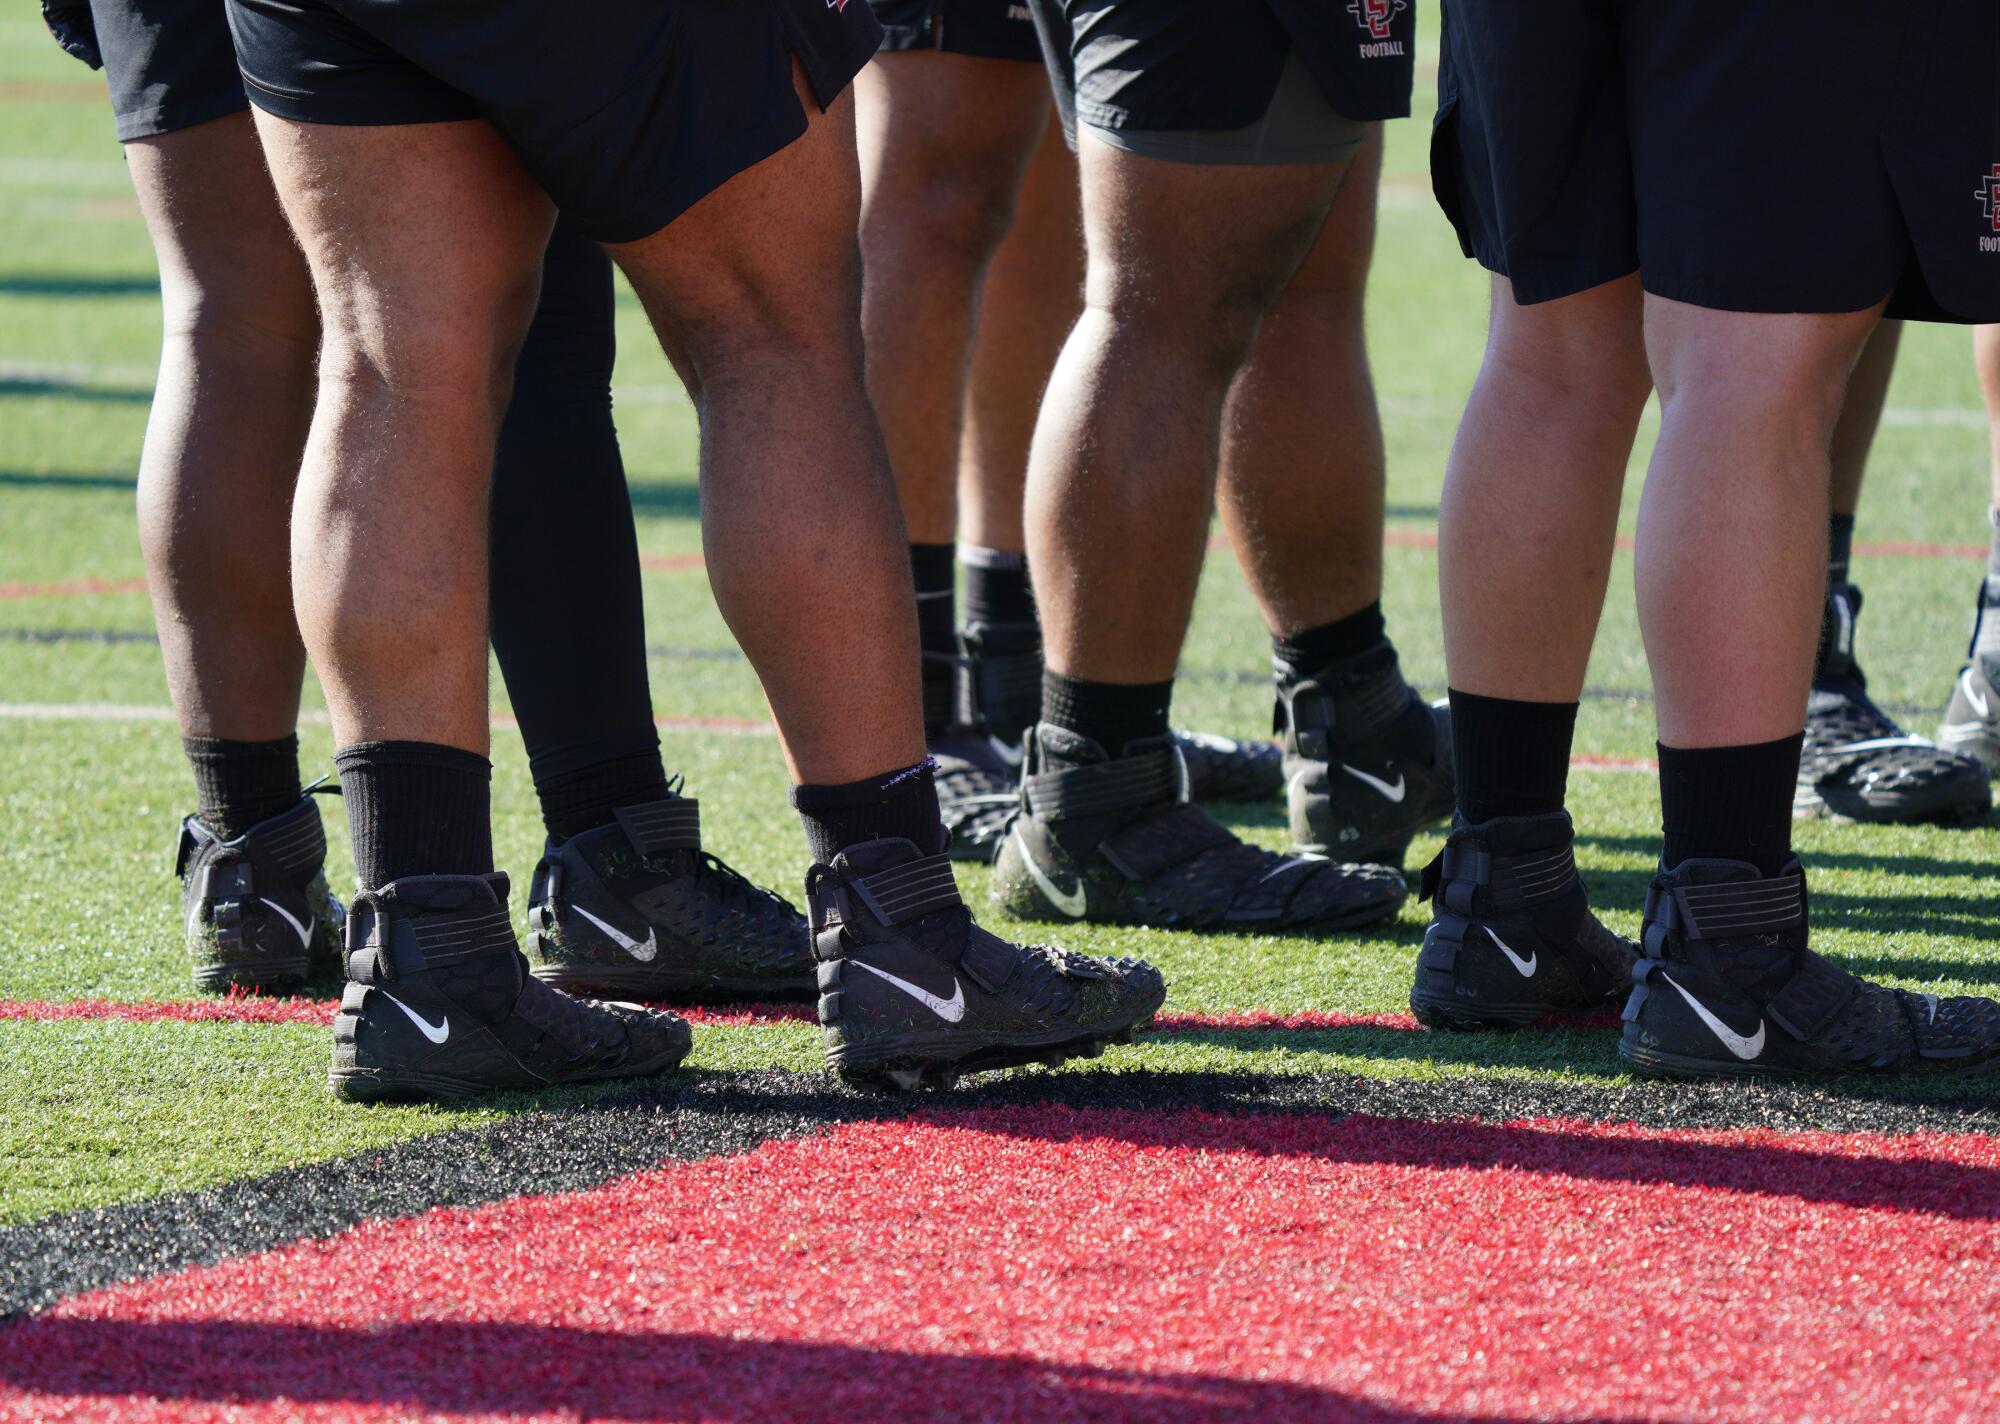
(111, 1115)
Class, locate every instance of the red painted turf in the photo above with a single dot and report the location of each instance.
(1054, 1264)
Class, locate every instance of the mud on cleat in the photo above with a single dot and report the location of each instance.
(1115, 841)
(1512, 937)
(639, 908)
(1972, 716)
(1857, 763)
(1729, 989)
(1367, 762)
(255, 911)
(440, 1004)
(914, 994)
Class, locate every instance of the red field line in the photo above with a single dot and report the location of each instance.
(255, 1009)
(1059, 1264)
(670, 563)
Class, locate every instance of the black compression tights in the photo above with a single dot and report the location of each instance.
(567, 620)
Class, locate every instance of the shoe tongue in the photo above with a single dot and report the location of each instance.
(1837, 663)
(1725, 872)
(445, 893)
(873, 857)
(1066, 748)
(1506, 834)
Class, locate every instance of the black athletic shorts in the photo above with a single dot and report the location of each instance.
(627, 112)
(169, 63)
(982, 29)
(1160, 65)
(1774, 156)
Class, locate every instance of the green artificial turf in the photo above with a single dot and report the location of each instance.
(104, 1111)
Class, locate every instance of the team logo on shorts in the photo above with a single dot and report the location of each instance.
(1988, 194)
(1375, 16)
(836, 4)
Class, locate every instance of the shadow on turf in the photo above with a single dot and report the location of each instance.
(72, 390)
(65, 284)
(493, 1368)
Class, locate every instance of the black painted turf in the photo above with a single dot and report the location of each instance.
(698, 1116)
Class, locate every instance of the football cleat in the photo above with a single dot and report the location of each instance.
(1972, 716)
(1729, 989)
(977, 793)
(1512, 937)
(255, 911)
(1115, 841)
(1367, 762)
(440, 1004)
(1222, 769)
(914, 994)
(1857, 763)
(1000, 695)
(639, 908)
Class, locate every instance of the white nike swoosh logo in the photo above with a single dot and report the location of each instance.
(1736, 1043)
(304, 931)
(950, 1010)
(436, 1034)
(641, 950)
(1976, 698)
(1071, 902)
(1392, 793)
(1009, 752)
(1525, 966)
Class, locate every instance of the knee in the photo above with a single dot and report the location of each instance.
(263, 315)
(1587, 366)
(1206, 333)
(950, 216)
(453, 343)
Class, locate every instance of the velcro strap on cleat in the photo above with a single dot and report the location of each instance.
(989, 961)
(1159, 843)
(1641, 991)
(910, 891)
(1151, 778)
(227, 918)
(1812, 998)
(295, 839)
(226, 882)
(1730, 910)
(448, 939)
(659, 826)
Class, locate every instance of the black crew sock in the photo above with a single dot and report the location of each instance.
(582, 800)
(1729, 803)
(1300, 655)
(895, 805)
(239, 784)
(1510, 758)
(933, 567)
(996, 585)
(416, 808)
(1111, 714)
(1839, 547)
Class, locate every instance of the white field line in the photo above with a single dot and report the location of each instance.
(317, 717)
(88, 373)
(722, 726)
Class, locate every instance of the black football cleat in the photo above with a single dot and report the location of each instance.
(1972, 716)
(1367, 762)
(255, 911)
(1512, 937)
(1001, 695)
(1224, 769)
(977, 792)
(1115, 841)
(638, 908)
(440, 1004)
(1857, 763)
(914, 994)
(1729, 989)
